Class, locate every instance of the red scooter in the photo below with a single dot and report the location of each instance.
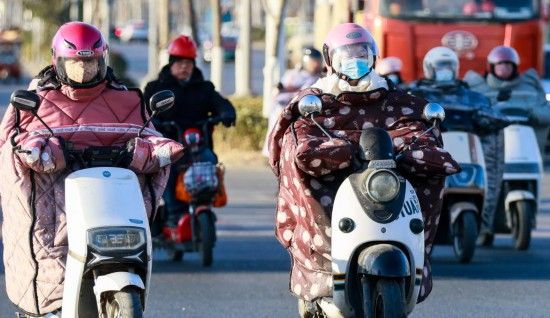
(200, 185)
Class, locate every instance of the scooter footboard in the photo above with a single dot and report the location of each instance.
(385, 260)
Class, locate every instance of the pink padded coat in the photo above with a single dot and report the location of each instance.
(32, 187)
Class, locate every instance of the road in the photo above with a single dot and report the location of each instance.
(250, 275)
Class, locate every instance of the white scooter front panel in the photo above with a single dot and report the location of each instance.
(347, 205)
(465, 148)
(521, 154)
(103, 197)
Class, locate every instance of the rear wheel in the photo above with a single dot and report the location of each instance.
(207, 237)
(124, 304)
(465, 236)
(384, 298)
(522, 218)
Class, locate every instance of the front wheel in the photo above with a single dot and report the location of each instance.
(207, 237)
(523, 213)
(124, 304)
(383, 298)
(465, 236)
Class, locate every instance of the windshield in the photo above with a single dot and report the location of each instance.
(460, 9)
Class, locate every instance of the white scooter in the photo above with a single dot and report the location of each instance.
(464, 191)
(377, 231)
(109, 263)
(522, 179)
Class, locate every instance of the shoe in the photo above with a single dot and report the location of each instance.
(486, 239)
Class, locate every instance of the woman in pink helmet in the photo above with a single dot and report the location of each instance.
(85, 106)
(311, 167)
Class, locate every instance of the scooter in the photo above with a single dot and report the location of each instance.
(377, 230)
(196, 230)
(522, 179)
(109, 264)
(464, 191)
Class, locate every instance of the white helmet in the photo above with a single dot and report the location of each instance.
(441, 64)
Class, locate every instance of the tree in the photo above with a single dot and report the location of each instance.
(243, 54)
(275, 13)
(216, 65)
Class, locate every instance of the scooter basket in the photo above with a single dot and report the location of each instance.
(201, 177)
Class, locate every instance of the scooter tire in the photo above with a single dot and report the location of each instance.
(522, 218)
(124, 304)
(465, 236)
(207, 235)
(385, 300)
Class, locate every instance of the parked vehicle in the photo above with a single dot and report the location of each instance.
(200, 184)
(377, 230)
(522, 180)
(108, 268)
(136, 30)
(10, 47)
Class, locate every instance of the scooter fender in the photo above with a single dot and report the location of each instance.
(115, 282)
(384, 260)
(459, 207)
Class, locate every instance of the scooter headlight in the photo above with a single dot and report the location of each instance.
(382, 186)
(116, 238)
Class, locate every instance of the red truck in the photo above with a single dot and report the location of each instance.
(409, 28)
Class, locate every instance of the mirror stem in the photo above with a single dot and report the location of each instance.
(321, 127)
(43, 123)
(146, 124)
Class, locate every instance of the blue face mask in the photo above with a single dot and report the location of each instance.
(444, 75)
(355, 68)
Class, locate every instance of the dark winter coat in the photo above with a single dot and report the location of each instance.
(196, 100)
(311, 168)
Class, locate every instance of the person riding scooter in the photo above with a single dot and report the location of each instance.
(84, 106)
(196, 100)
(440, 85)
(310, 166)
(390, 67)
(294, 80)
(503, 83)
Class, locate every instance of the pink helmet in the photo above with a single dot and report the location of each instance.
(502, 54)
(389, 65)
(79, 41)
(349, 40)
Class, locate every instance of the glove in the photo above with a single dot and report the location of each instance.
(127, 154)
(228, 121)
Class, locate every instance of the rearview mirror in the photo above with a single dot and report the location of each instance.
(26, 101)
(433, 111)
(162, 101)
(310, 104)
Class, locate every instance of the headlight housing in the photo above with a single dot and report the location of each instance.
(116, 238)
(382, 186)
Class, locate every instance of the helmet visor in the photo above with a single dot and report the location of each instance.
(81, 71)
(363, 50)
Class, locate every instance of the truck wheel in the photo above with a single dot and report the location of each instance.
(124, 304)
(465, 236)
(386, 299)
(207, 235)
(523, 213)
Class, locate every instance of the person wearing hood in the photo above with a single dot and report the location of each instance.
(503, 83)
(310, 167)
(196, 100)
(85, 106)
(390, 68)
(441, 85)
